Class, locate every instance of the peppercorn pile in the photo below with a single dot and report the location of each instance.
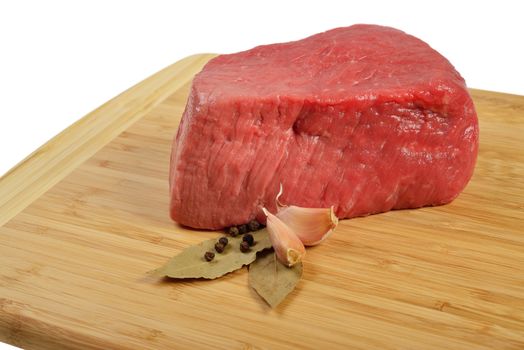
(247, 239)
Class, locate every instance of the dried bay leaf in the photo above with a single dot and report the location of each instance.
(190, 263)
(271, 279)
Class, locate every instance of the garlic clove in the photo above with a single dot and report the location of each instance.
(288, 247)
(311, 225)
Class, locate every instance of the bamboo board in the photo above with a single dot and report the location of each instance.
(86, 215)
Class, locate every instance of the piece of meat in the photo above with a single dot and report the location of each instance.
(363, 118)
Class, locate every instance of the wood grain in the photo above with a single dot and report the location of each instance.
(86, 216)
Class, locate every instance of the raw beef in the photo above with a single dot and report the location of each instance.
(363, 118)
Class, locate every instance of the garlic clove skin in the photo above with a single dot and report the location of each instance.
(288, 247)
(311, 225)
(277, 201)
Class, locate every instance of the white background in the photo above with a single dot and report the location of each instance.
(61, 59)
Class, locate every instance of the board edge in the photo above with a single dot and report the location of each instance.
(51, 162)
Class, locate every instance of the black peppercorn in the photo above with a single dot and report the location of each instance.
(242, 229)
(253, 225)
(209, 256)
(233, 231)
(248, 237)
(223, 240)
(244, 247)
(219, 247)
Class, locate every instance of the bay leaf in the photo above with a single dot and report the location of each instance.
(271, 279)
(190, 263)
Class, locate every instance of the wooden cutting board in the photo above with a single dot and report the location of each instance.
(86, 216)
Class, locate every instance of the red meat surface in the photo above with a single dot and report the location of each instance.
(363, 118)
